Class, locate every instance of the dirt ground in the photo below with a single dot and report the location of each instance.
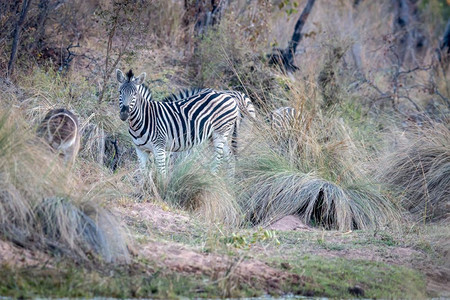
(154, 224)
(14, 256)
(189, 259)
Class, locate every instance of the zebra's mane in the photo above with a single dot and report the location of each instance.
(185, 93)
(146, 92)
(130, 75)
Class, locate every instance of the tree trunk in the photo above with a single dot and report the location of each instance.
(40, 24)
(410, 41)
(444, 45)
(17, 32)
(107, 71)
(204, 13)
(297, 35)
(356, 3)
(357, 46)
(285, 58)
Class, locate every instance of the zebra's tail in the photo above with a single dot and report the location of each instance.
(234, 137)
(246, 107)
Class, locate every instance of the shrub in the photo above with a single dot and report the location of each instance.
(42, 204)
(419, 169)
(191, 185)
(313, 168)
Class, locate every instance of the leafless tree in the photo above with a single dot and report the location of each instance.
(205, 13)
(444, 46)
(409, 38)
(17, 33)
(120, 19)
(285, 57)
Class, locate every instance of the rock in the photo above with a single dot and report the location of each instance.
(287, 223)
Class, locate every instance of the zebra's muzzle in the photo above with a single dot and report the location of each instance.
(124, 113)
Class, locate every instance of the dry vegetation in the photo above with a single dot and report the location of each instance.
(363, 174)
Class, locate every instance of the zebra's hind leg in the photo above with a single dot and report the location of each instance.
(230, 159)
(234, 137)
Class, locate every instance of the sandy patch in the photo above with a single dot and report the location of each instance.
(158, 217)
(14, 256)
(181, 259)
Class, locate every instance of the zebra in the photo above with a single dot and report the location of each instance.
(283, 118)
(175, 126)
(246, 107)
(60, 129)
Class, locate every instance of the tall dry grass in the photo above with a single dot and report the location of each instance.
(418, 168)
(42, 204)
(191, 185)
(314, 168)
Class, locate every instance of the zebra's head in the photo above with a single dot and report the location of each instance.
(128, 91)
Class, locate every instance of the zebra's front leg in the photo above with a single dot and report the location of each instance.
(145, 181)
(142, 157)
(160, 160)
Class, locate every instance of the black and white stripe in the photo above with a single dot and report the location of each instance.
(175, 126)
(246, 107)
(283, 118)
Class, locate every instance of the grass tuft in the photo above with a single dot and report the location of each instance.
(42, 204)
(191, 185)
(273, 189)
(419, 169)
(314, 168)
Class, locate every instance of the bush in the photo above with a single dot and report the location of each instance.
(313, 168)
(191, 185)
(43, 205)
(419, 169)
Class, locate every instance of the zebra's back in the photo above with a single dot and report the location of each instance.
(180, 125)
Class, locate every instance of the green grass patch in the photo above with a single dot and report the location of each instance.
(381, 239)
(132, 282)
(333, 277)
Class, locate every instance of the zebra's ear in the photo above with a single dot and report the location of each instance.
(120, 76)
(140, 79)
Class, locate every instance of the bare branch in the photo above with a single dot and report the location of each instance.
(17, 32)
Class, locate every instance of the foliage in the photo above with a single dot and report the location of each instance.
(245, 241)
(419, 168)
(40, 204)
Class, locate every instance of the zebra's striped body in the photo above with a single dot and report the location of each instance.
(283, 118)
(175, 126)
(246, 107)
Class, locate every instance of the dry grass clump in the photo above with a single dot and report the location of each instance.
(191, 185)
(274, 188)
(313, 168)
(419, 168)
(43, 205)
